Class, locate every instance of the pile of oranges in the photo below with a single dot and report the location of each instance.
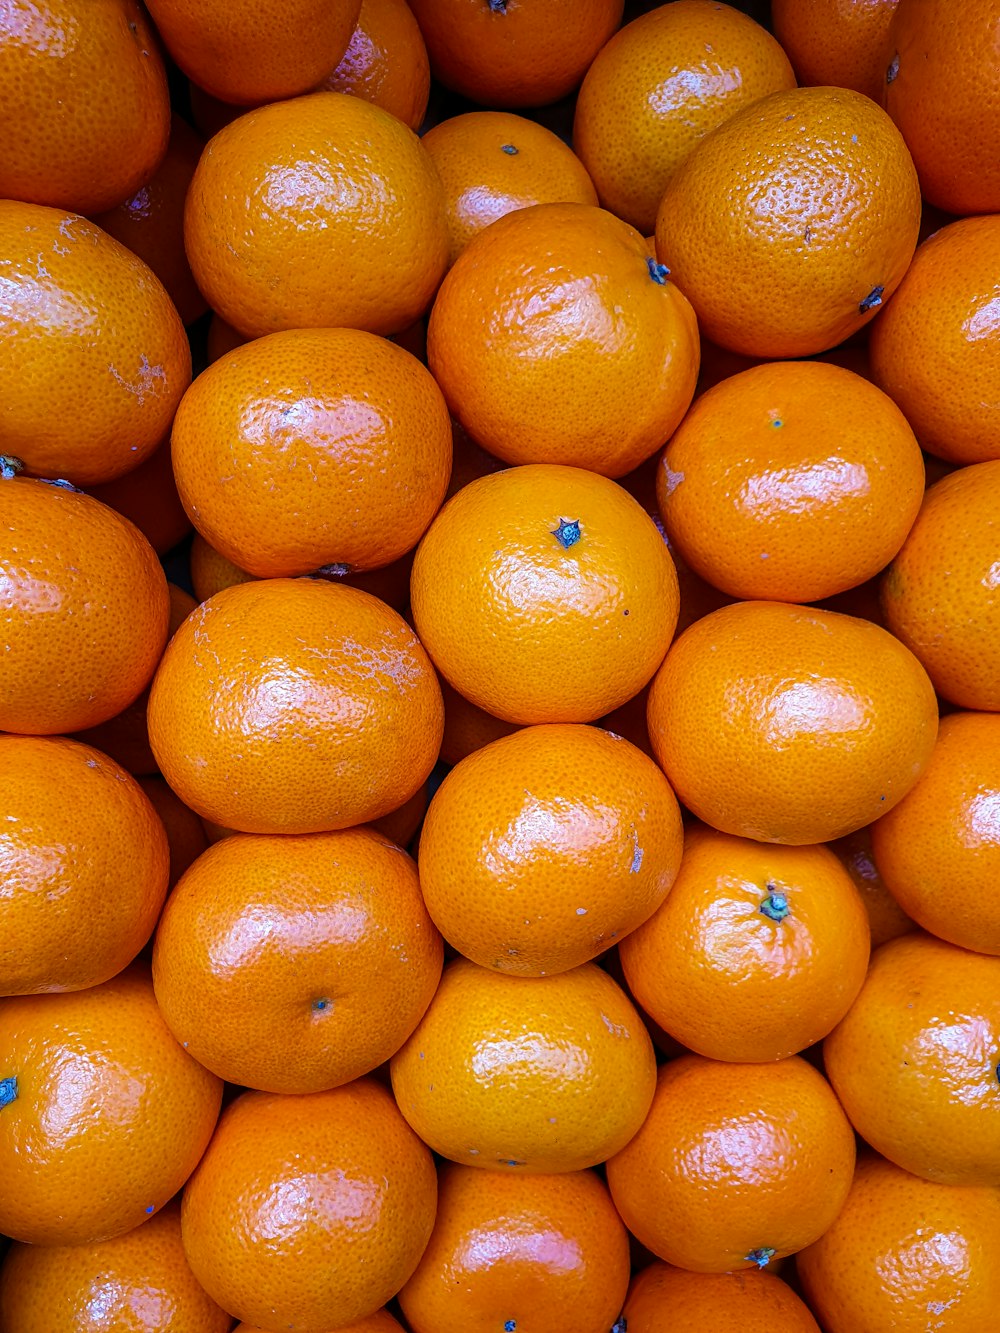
(533, 868)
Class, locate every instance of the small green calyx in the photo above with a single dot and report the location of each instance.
(8, 1091)
(10, 467)
(761, 1257)
(871, 301)
(568, 532)
(658, 272)
(509, 149)
(775, 905)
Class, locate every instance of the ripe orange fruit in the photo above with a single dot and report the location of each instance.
(544, 594)
(755, 1301)
(941, 594)
(147, 496)
(543, 848)
(531, 1074)
(793, 480)
(810, 234)
(83, 609)
(906, 1254)
(102, 1115)
(379, 1322)
(359, 239)
(790, 724)
(936, 349)
(886, 919)
(660, 84)
(520, 1252)
(756, 953)
(836, 42)
(309, 1211)
(95, 355)
(312, 447)
(557, 339)
(185, 832)
(914, 1061)
(211, 571)
(467, 727)
(773, 1133)
(294, 706)
(401, 825)
(385, 62)
(84, 103)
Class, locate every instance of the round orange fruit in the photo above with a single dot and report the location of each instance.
(836, 42)
(752, 1301)
(385, 62)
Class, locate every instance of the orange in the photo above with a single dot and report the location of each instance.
(530, 1074)
(789, 724)
(139, 1281)
(102, 1115)
(467, 727)
(543, 848)
(309, 1211)
(757, 952)
(277, 49)
(735, 1165)
(557, 339)
(379, 1322)
(941, 594)
(83, 609)
(385, 62)
(185, 832)
(531, 1253)
(838, 42)
(936, 348)
(84, 103)
(812, 231)
(514, 53)
(294, 706)
(906, 1254)
(793, 480)
(319, 945)
(661, 1297)
(492, 163)
(657, 87)
(886, 919)
(147, 496)
(312, 447)
(544, 594)
(914, 1061)
(943, 91)
(221, 338)
(323, 210)
(401, 825)
(211, 571)
(95, 354)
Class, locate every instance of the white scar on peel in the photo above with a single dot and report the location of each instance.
(145, 384)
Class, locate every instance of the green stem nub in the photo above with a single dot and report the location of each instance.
(10, 467)
(568, 533)
(8, 1091)
(658, 272)
(775, 906)
(498, 6)
(761, 1257)
(873, 299)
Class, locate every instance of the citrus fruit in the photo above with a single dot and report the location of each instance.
(385, 62)
(662, 1297)
(886, 919)
(836, 42)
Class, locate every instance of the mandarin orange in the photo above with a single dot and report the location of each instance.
(661, 1297)
(886, 919)
(147, 496)
(836, 42)
(385, 62)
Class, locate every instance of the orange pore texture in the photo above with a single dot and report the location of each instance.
(836, 42)
(753, 1301)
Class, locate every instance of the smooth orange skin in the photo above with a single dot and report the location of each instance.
(186, 837)
(83, 864)
(821, 207)
(540, 850)
(221, 338)
(84, 609)
(294, 706)
(533, 1252)
(95, 354)
(836, 42)
(904, 1251)
(312, 447)
(661, 1297)
(792, 480)
(110, 1118)
(138, 1282)
(728, 981)
(657, 87)
(147, 496)
(532, 630)
(385, 62)
(536, 1075)
(936, 350)
(556, 340)
(316, 212)
(84, 103)
(320, 945)
(309, 1211)
(790, 724)
(886, 919)
(733, 1161)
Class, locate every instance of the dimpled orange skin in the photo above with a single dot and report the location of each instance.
(541, 850)
(915, 1060)
(544, 594)
(535, 1253)
(109, 1115)
(385, 62)
(557, 339)
(140, 1282)
(379, 1322)
(906, 1254)
(95, 354)
(312, 447)
(294, 706)
(792, 480)
(661, 1297)
(789, 724)
(660, 84)
(941, 594)
(886, 919)
(529, 1074)
(813, 231)
(836, 42)
(936, 350)
(83, 609)
(309, 1211)
(321, 211)
(735, 1165)
(83, 866)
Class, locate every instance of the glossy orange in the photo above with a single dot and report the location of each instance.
(662, 1297)
(385, 62)
(838, 42)
(886, 919)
